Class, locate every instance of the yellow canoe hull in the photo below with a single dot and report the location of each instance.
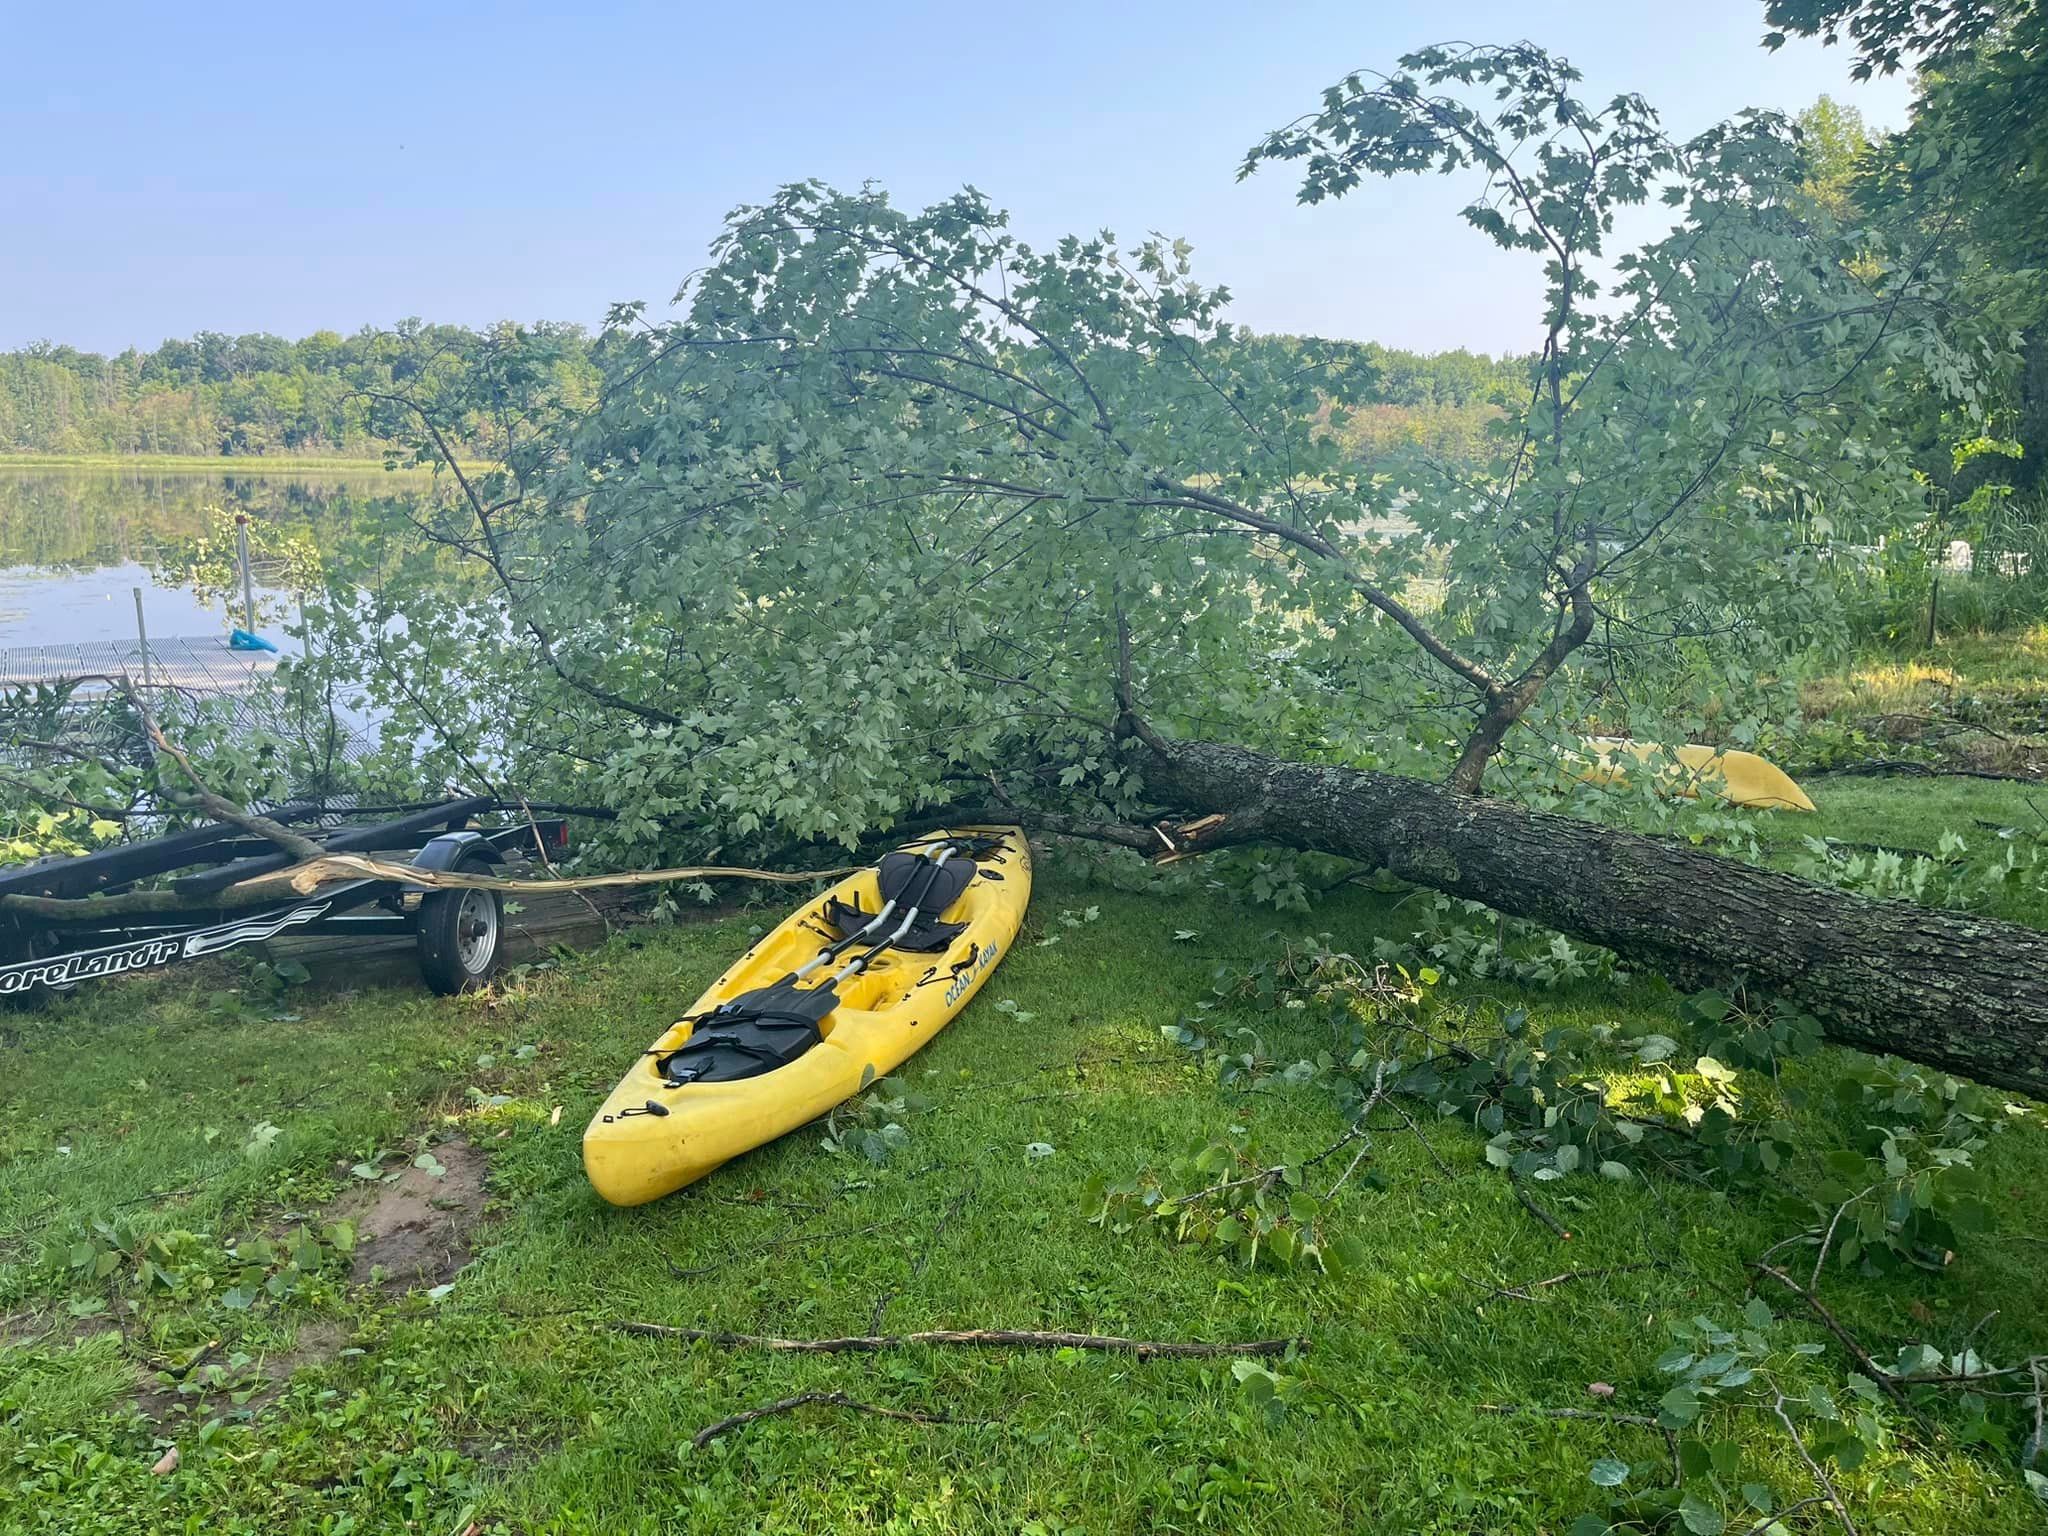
(885, 1014)
(1740, 778)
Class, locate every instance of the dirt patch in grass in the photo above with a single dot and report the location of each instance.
(56, 1327)
(315, 1342)
(416, 1229)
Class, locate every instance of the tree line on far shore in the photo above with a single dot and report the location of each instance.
(267, 396)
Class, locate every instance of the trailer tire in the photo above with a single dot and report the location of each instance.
(36, 944)
(461, 934)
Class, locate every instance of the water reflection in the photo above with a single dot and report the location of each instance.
(75, 543)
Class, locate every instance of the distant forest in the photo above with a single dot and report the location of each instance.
(230, 396)
(264, 396)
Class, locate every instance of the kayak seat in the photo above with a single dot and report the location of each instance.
(923, 937)
(752, 1034)
(904, 878)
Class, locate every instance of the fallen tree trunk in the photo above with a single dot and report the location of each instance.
(1964, 993)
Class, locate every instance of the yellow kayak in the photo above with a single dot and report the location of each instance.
(845, 990)
(1740, 778)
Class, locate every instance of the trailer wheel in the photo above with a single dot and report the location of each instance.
(461, 935)
(34, 944)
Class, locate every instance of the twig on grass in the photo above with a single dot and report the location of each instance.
(1525, 1291)
(1849, 1341)
(1765, 1522)
(2040, 1441)
(1357, 1131)
(761, 1197)
(727, 1425)
(1881, 767)
(1435, 1156)
(1820, 1477)
(988, 1338)
(1529, 1204)
(1827, 1238)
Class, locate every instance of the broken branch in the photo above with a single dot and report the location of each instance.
(1529, 1204)
(1868, 1366)
(344, 866)
(725, 1426)
(218, 806)
(985, 1338)
(1527, 1289)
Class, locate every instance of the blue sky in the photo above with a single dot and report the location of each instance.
(288, 168)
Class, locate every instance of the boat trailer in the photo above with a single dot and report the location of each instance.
(459, 932)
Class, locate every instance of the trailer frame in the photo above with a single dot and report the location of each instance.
(460, 932)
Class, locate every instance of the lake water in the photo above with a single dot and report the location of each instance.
(75, 544)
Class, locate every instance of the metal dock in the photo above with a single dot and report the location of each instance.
(199, 663)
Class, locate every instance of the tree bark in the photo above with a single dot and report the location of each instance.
(1964, 993)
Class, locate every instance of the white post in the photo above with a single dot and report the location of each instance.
(248, 587)
(142, 638)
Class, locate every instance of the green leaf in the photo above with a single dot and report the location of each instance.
(1678, 1407)
(1700, 1517)
(1348, 1255)
(1708, 1007)
(1607, 1472)
(262, 1137)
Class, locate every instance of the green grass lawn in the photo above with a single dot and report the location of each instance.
(508, 1398)
(1910, 815)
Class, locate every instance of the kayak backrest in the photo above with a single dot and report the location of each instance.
(902, 877)
(910, 880)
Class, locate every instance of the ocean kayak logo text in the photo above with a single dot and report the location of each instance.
(966, 978)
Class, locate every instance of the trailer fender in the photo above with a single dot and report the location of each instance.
(447, 851)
